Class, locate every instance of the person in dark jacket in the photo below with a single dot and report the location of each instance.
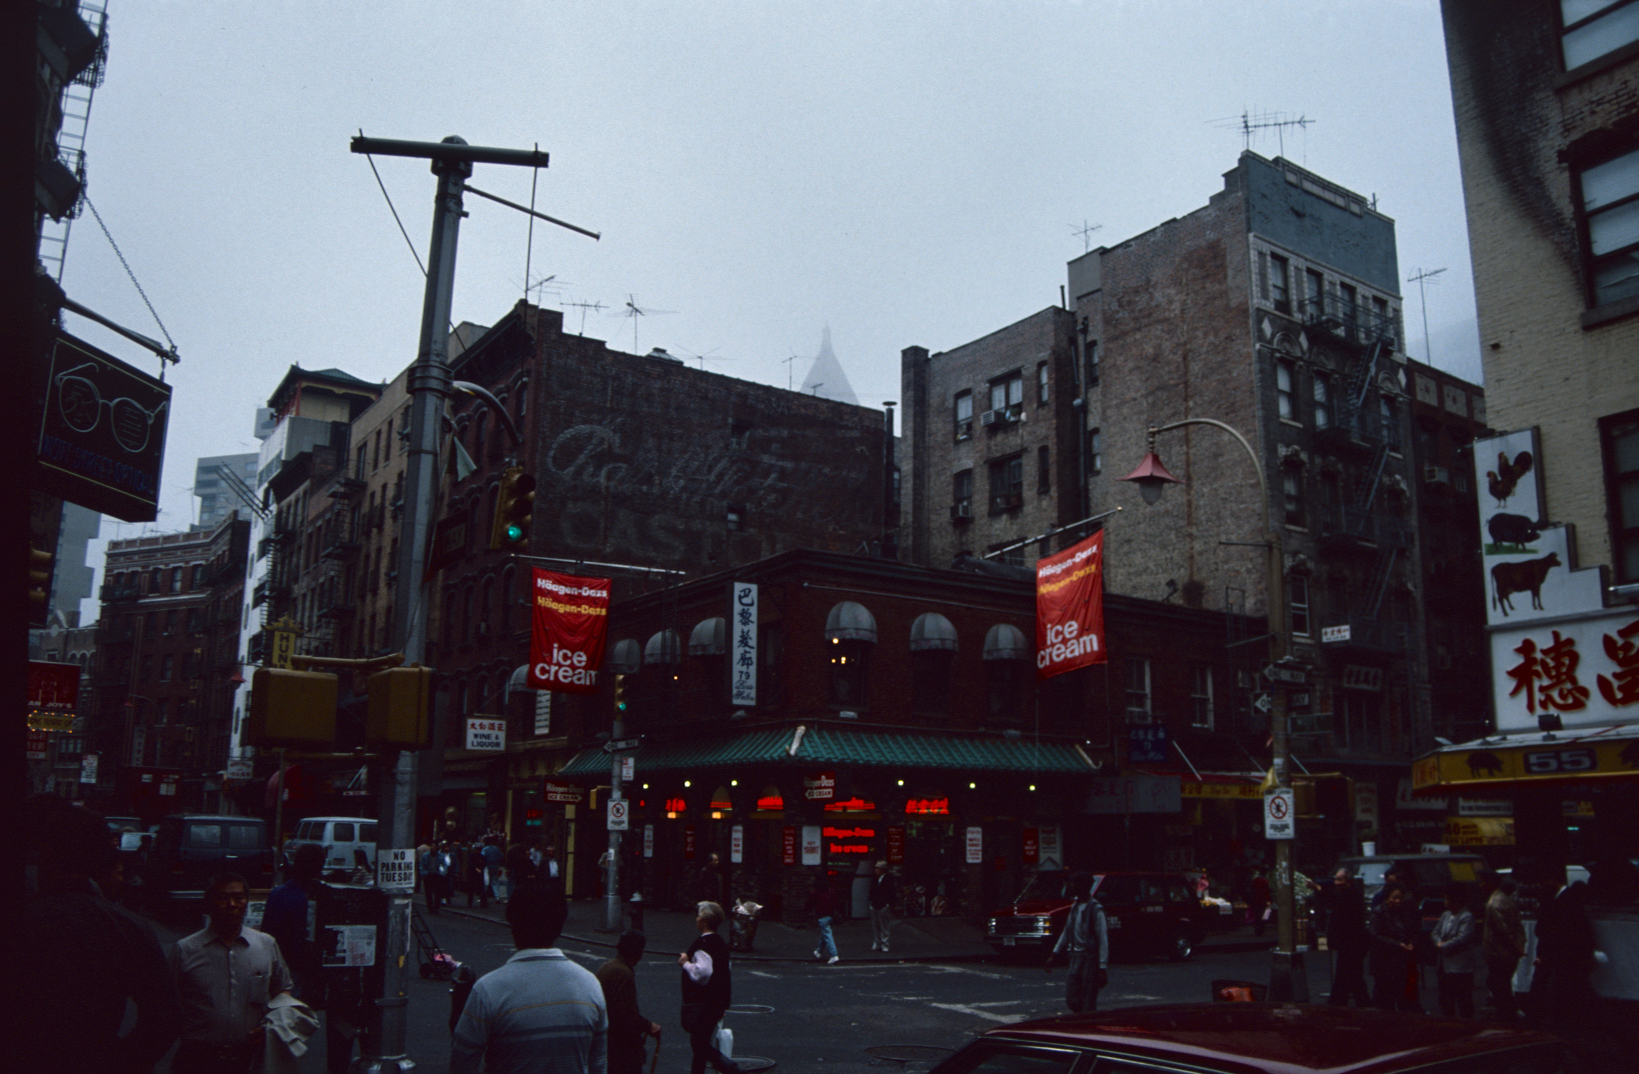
(1562, 971)
(884, 893)
(826, 907)
(627, 1026)
(707, 990)
(1344, 905)
(1393, 934)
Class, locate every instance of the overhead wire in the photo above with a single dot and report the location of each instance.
(128, 272)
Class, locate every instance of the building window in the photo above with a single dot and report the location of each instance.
(1381, 322)
(1095, 451)
(1200, 695)
(1297, 599)
(1280, 283)
(931, 674)
(1138, 689)
(1044, 470)
(1315, 301)
(1595, 28)
(964, 415)
(1285, 377)
(850, 667)
(1041, 382)
(961, 494)
(1092, 362)
(166, 666)
(1006, 484)
(1008, 391)
(1323, 401)
(1391, 421)
(1621, 441)
(1610, 209)
(1350, 301)
(1291, 486)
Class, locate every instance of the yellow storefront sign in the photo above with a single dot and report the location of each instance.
(1479, 831)
(1565, 758)
(1246, 791)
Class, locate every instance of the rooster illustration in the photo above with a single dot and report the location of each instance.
(1507, 475)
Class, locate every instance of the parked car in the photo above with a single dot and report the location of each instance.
(1145, 913)
(339, 836)
(1256, 1038)
(190, 848)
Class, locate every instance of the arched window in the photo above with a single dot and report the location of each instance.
(933, 652)
(1007, 662)
(850, 635)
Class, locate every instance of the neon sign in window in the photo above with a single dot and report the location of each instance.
(675, 805)
(851, 805)
(771, 804)
(928, 805)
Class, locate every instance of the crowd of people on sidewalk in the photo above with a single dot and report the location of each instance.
(483, 869)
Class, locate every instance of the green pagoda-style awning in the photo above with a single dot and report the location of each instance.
(808, 747)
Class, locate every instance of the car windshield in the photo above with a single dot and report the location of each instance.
(1045, 887)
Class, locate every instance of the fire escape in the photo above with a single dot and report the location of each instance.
(74, 103)
(336, 601)
(1356, 522)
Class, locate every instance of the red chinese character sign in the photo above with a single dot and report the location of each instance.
(571, 617)
(1580, 673)
(1070, 608)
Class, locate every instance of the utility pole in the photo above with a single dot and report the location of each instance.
(429, 383)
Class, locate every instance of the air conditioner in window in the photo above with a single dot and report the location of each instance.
(992, 417)
(961, 510)
(1436, 475)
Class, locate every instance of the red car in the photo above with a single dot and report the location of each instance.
(1255, 1038)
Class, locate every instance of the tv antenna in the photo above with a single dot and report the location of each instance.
(1422, 278)
(633, 311)
(1248, 122)
(543, 284)
(706, 357)
(584, 306)
(788, 368)
(1086, 232)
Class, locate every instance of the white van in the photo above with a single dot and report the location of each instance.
(339, 836)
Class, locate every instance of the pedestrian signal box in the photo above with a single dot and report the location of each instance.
(400, 713)
(291, 708)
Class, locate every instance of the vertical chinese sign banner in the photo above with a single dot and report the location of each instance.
(566, 643)
(1070, 608)
(742, 645)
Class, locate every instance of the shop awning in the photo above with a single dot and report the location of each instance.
(819, 746)
(1504, 762)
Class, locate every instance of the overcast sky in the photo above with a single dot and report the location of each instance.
(904, 172)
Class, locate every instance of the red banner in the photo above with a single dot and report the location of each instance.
(1070, 608)
(566, 644)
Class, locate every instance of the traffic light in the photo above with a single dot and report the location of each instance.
(292, 708)
(41, 564)
(400, 712)
(513, 508)
(623, 704)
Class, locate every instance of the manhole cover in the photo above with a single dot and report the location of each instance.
(907, 1053)
(751, 1008)
(753, 1063)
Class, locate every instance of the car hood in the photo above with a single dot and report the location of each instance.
(1032, 908)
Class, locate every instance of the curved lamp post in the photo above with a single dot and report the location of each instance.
(1286, 979)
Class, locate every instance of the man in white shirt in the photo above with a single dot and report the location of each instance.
(225, 975)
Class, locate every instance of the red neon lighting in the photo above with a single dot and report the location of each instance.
(772, 805)
(851, 805)
(675, 805)
(928, 805)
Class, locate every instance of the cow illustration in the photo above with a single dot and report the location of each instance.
(1483, 762)
(1513, 529)
(1525, 575)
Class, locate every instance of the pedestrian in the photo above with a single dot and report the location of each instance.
(707, 990)
(1391, 879)
(826, 906)
(1457, 955)
(1502, 943)
(627, 1027)
(423, 861)
(1085, 942)
(1392, 961)
(493, 861)
(1562, 972)
(540, 1012)
(288, 919)
(474, 871)
(1344, 905)
(82, 960)
(1257, 906)
(546, 866)
(226, 976)
(439, 870)
(884, 893)
(709, 885)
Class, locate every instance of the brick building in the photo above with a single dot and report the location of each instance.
(1274, 309)
(640, 463)
(912, 691)
(168, 666)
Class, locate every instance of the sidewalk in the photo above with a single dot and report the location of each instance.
(913, 939)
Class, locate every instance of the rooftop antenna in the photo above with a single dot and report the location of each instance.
(1422, 278)
(706, 357)
(788, 368)
(584, 306)
(1249, 121)
(634, 311)
(1086, 232)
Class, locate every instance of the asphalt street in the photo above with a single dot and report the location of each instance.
(798, 1016)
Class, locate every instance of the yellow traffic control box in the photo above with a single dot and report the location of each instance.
(292, 708)
(400, 713)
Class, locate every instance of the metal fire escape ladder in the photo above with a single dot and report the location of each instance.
(75, 101)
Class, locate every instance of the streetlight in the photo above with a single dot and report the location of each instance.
(1286, 978)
